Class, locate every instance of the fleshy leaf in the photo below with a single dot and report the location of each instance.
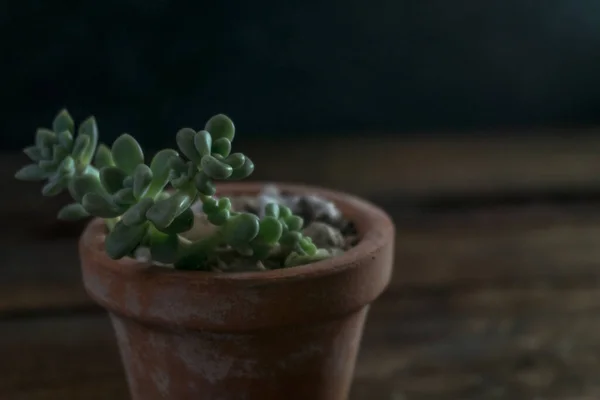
(164, 247)
(204, 184)
(55, 185)
(244, 171)
(163, 212)
(221, 126)
(89, 128)
(34, 153)
(218, 217)
(59, 153)
(100, 206)
(48, 165)
(182, 223)
(295, 259)
(112, 179)
(67, 166)
(272, 210)
(160, 167)
(31, 172)
(224, 203)
(123, 239)
(137, 213)
(235, 160)
(45, 138)
(142, 177)
(241, 229)
(294, 222)
(63, 122)
(270, 230)
(124, 197)
(72, 212)
(127, 153)
(214, 168)
(222, 146)
(85, 184)
(103, 157)
(65, 139)
(185, 141)
(203, 142)
(79, 147)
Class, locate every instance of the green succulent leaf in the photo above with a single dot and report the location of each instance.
(45, 138)
(128, 182)
(137, 213)
(160, 167)
(48, 165)
(224, 204)
(103, 157)
(127, 153)
(295, 259)
(290, 239)
(235, 160)
(63, 122)
(272, 210)
(112, 179)
(204, 185)
(100, 205)
(270, 230)
(182, 223)
(59, 153)
(244, 171)
(284, 212)
(185, 141)
(220, 126)
(124, 197)
(222, 146)
(218, 217)
(89, 128)
(163, 212)
(65, 139)
(241, 229)
(214, 168)
(31, 172)
(55, 185)
(72, 212)
(79, 147)
(293, 222)
(307, 246)
(210, 205)
(123, 239)
(84, 184)
(142, 177)
(67, 166)
(34, 153)
(163, 247)
(203, 142)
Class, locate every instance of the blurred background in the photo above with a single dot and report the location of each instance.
(473, 123)
(299, 68)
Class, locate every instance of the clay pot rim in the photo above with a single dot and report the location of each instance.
(372, 225)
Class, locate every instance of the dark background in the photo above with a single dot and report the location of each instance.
(299, 67)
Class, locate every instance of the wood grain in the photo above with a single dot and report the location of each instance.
(489, 299)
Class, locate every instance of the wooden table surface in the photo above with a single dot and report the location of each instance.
(495, 294)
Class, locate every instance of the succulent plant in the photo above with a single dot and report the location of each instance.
(150, 205)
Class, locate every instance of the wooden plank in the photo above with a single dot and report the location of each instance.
(441, 356)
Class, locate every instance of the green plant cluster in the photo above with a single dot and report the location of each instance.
(150, 205)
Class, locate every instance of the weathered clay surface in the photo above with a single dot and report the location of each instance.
(282, 334)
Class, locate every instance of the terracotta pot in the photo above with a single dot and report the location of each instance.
(282, 334)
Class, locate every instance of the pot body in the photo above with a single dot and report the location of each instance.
(295, 362)
(283, 334)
